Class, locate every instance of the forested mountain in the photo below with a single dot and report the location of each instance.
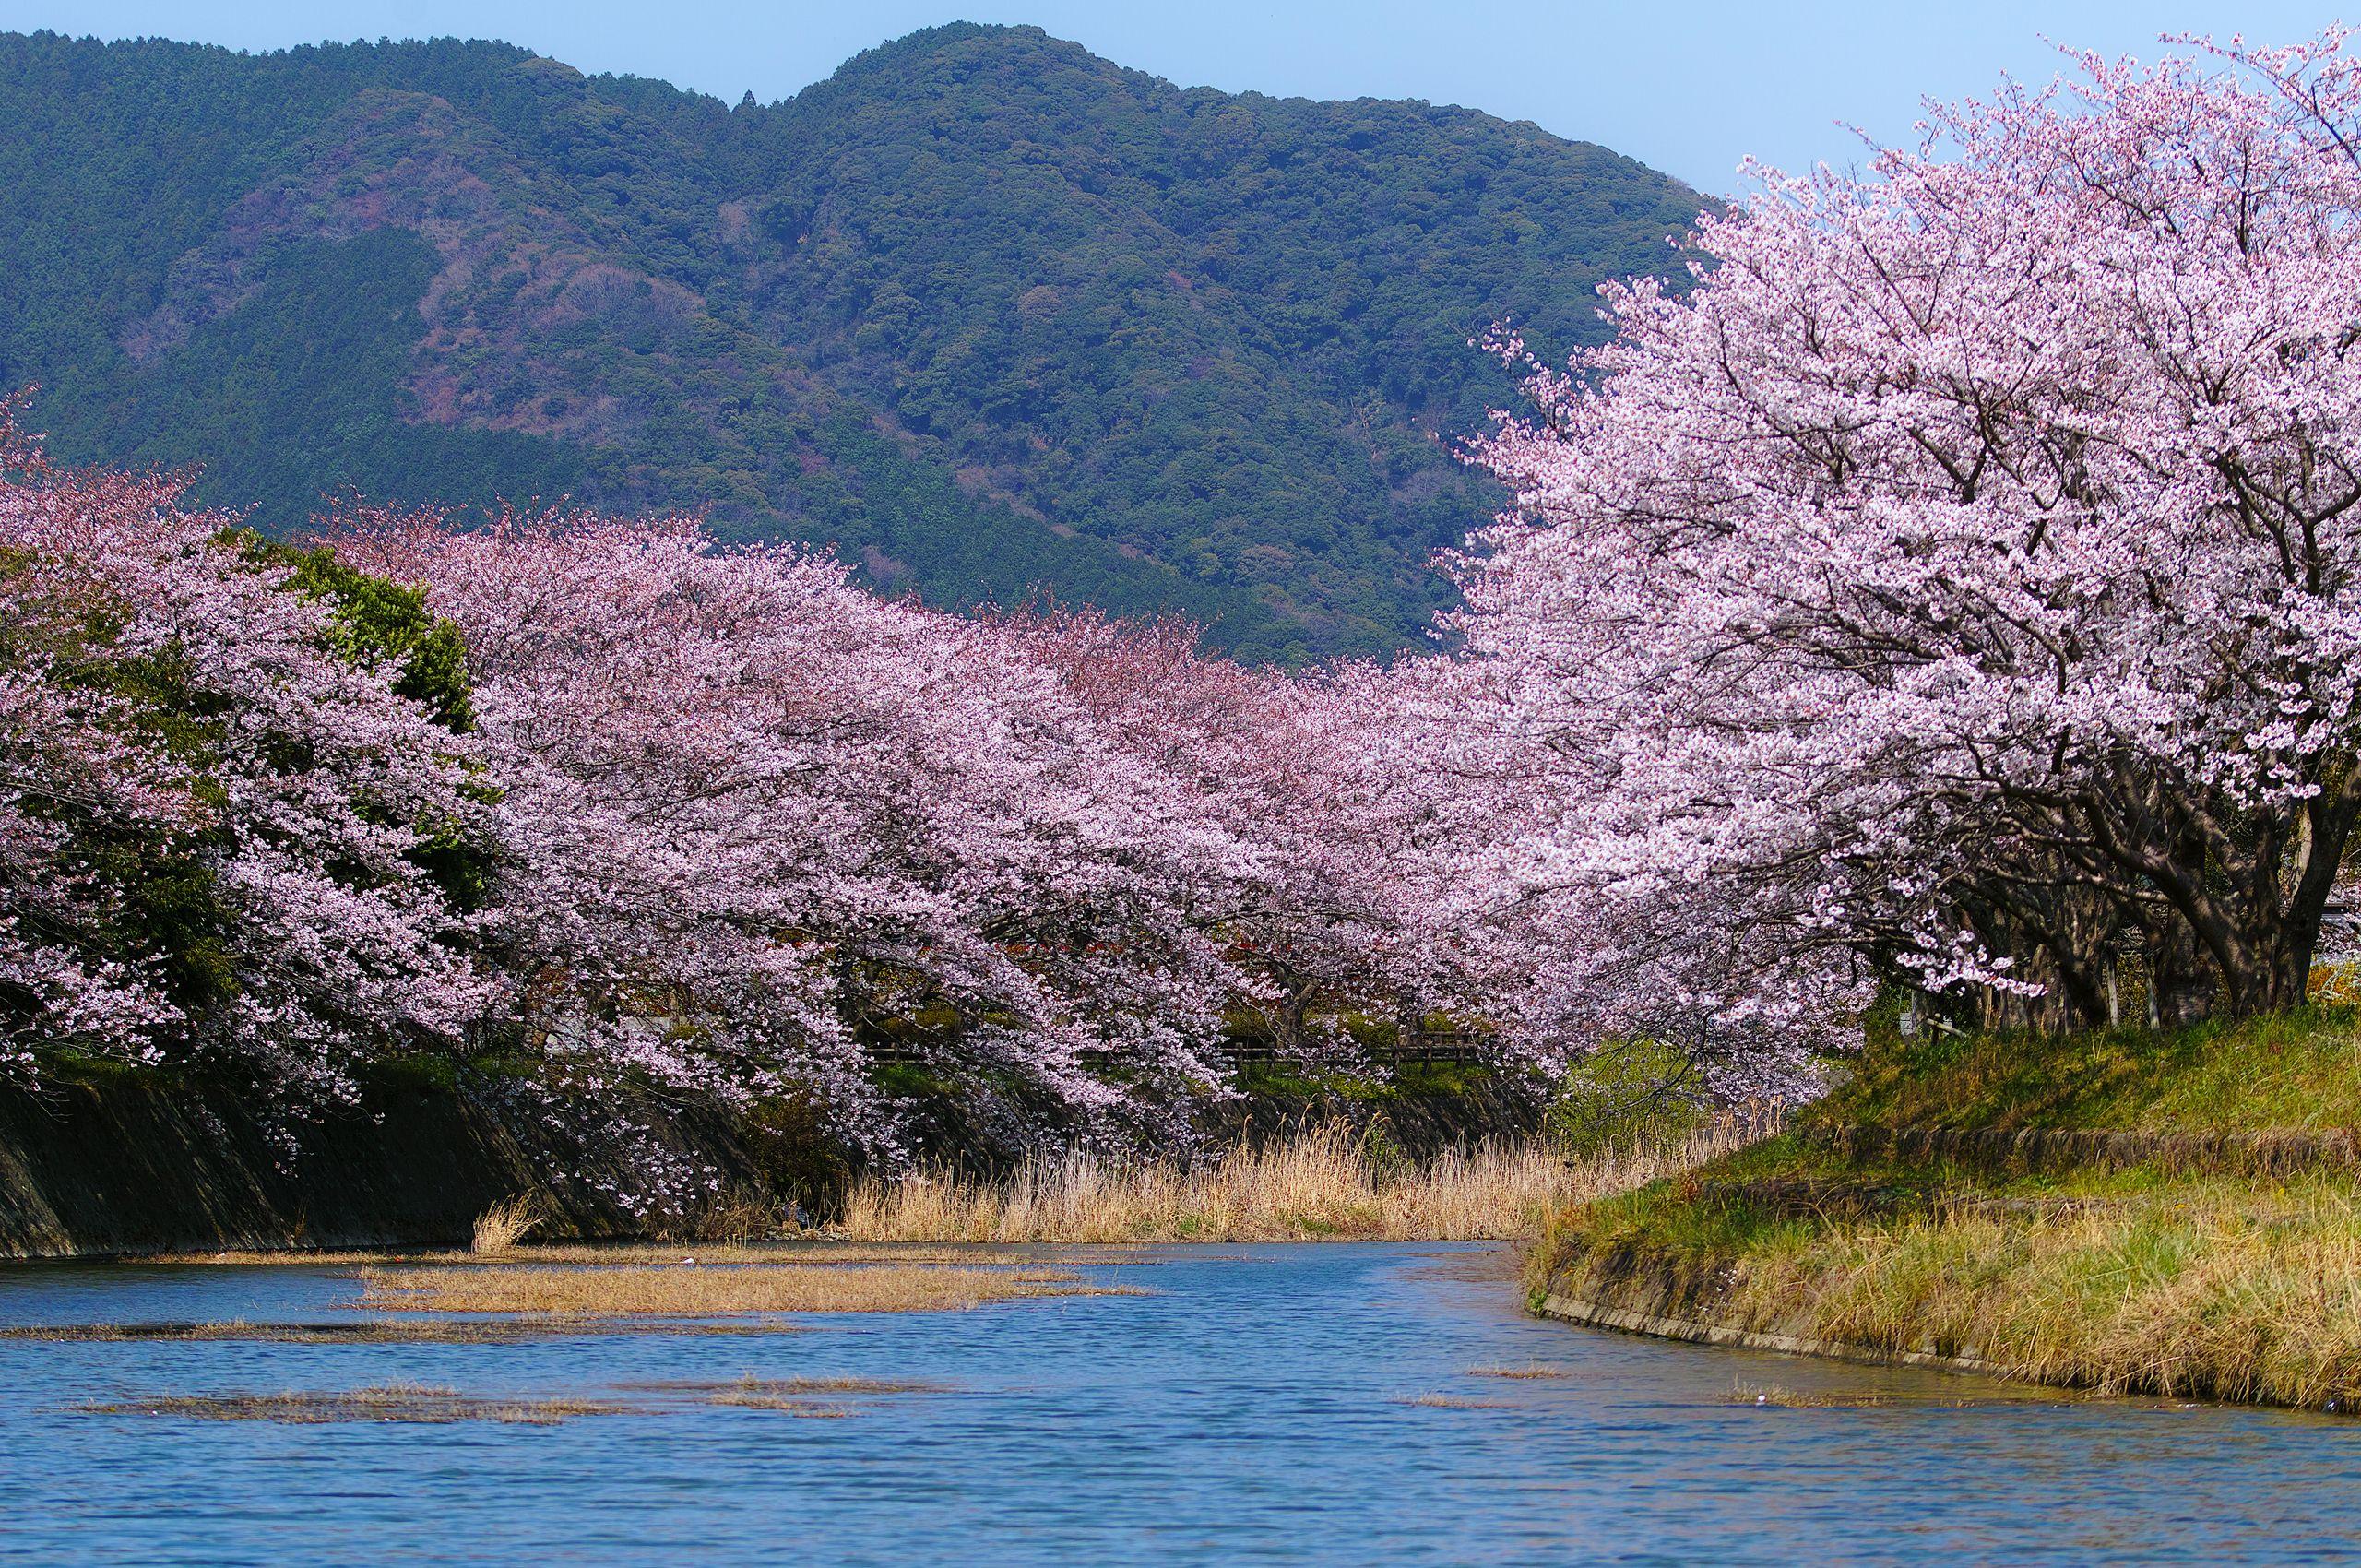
(994, 316)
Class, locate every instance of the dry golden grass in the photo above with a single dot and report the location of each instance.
(812, 1252)
(2210, 1287)
(1316, 1186)
(644, 1290)
(739, 1215)
(376, 1331)
(500, 1227)
(345, 1257)
(386, 1402)
(2218, 1288)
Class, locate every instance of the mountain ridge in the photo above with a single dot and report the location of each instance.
(991, 314)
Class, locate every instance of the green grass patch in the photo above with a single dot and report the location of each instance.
(1410, 1080)
(2297, 1070)
(60, 1065)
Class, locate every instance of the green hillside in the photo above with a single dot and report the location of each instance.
(994, 316)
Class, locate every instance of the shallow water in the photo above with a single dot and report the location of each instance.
(1259, 1406)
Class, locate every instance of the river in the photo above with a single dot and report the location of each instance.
(1307, 1404)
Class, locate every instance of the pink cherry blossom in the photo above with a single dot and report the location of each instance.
(170, 706)
(758, 822)
(1959, 580)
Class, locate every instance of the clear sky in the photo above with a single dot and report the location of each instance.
(1690, 87)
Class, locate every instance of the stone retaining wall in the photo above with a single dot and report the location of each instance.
(150, 1163)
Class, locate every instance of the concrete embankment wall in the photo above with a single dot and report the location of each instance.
(135, 1162)
(151, 1163)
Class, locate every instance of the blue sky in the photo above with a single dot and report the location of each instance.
(1690, 89)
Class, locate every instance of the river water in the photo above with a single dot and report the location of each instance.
(1309, 1404)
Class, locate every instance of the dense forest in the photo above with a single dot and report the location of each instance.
(997, 319)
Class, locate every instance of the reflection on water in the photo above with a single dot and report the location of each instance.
(1318, 1404)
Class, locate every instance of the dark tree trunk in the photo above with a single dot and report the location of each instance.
(2181, 985)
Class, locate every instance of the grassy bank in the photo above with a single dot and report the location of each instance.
(1321, 1184)
(2146, 1274)
(2297, 1071)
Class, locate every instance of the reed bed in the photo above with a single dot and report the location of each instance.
(1321, 1184)
(698, 1291)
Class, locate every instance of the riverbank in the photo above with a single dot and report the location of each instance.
(105, 1161)
(2131, 1214)
(108, 1161)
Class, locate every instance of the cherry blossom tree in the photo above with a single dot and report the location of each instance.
(1961, 571)
(1315, 812)
(758, 822)
(225, 831)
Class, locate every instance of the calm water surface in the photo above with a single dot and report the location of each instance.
(1259, 1406)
